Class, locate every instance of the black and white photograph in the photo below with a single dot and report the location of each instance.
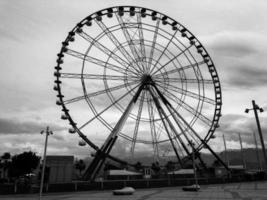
(133, 99)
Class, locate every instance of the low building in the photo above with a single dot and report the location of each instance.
(234, 169)
(182, 173)
(117, 174)
(60, 168)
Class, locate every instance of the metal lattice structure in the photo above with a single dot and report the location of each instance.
(137, 76)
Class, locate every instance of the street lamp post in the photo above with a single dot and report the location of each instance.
(193, 161)
(47, 133)
(255, 107)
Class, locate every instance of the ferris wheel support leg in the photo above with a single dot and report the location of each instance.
(101, 154)
(93, 167)
(168, 104)
(201, 160)
(162, 112)
(178, 137)
(197, 155)
(103, 158)
(203, 142)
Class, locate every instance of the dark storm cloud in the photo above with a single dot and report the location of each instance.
(247, 77)
(231, 125)
(242, 58)
(233, 48)
(236, 44)
(15, 126)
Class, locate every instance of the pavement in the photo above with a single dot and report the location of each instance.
(237, 191)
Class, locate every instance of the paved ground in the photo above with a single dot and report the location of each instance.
(237, 191)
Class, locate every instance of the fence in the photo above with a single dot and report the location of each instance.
(116, 184)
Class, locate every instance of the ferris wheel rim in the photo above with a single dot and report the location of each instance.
(215, 78)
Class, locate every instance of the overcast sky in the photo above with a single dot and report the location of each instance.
(31, 31)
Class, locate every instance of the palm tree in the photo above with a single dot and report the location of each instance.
(5, 163)
(138, 166)
(156, 168)
(80, 165)
(170, 166)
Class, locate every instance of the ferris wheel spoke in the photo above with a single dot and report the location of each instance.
(153, 44)
(179, 124)
(142, 41)
(164, 117)
(171, 60)
(173, 110)
(192, 136)
(152, 127)
(187, 125)
(184, 80)
(159, 129)
(105, 50)
(170, 138)
(120, 47)
(170, 109)
(130, 42)
(180, 148)
(162, 53)
(97, 77)
(93, 94)
(179, 69)
(191, 94)
(136, 128)
(187, 107)
(200, 139)
(95, 61)
(108, 107)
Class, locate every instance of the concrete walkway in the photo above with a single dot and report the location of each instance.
(237, 191)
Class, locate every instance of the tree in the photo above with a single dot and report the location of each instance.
(216, 163)
(138, 166)
(6, 156)
(24, 163)
(155, 167)
(80, 165)
(170, 166)
(5, 164)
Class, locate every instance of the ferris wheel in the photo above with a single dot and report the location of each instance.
(132, 80)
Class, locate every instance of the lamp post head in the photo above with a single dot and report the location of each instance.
(261, 110)
(247, 110)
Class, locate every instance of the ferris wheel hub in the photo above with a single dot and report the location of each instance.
(147, 79)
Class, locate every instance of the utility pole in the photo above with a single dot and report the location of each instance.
(193, 160)
(242, 153)
(225, 151)
(255, 108)
(257, 151)
(47, 133)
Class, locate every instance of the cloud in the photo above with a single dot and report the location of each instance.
(40, 29)
(231, 125)
(60, 143)
(15, 126)
(248, 77)
(240, 56)
(234, 44)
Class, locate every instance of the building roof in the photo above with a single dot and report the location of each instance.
(59, 157)
(124, 172)
(233, 167)
(182, 171)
